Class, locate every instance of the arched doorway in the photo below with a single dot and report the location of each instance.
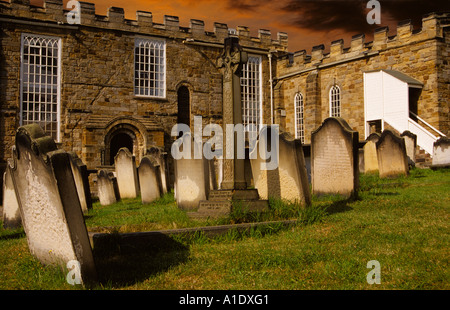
(118, 141)
(184, 109)
(124, 132)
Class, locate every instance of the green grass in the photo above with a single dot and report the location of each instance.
(403, 223)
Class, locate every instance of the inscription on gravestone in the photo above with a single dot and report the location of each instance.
(334, 158)
(391, 153)
(126, 174)
(48, 200)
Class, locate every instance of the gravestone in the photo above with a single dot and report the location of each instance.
(334, 158)
(108, 191)
(81, 178)
(192, 178)
(126, 174)
(289, 181)
(231, 62)
(441, 153)
(11, 211)
(391, 153)
(370, 153)
(233, 184)
(49, 204)
(410, 146)
(149, 179)
(159, 155)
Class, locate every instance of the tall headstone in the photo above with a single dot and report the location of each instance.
(370, 153)
(391, 153)
(192, 178)
(231, 62)
(441, 153)
(108, 191)
(11, 211)
(159, 155)
(81, 177)
(289, 181)
(126, 174)
(49, 204)
(410, 146)
(149, 179)
(233, 184)
(334, 158)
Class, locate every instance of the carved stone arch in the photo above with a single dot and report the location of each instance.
(124, 132)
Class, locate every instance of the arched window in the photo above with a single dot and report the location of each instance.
(299, 121)
(335, 101)
(149, 68)
(251, 92)
(40, 82)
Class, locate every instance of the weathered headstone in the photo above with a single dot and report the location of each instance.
(11, 211)
(334, 158)
(80, 175)
(108, 191)
(159, 155)
(370, 153)
(441, 153)
(289, 181)
(233, 178)
(192, 178)
(126, 174)
(49, 204)
(149, 179)
(391, 153)
(231, 61)
(410, 145)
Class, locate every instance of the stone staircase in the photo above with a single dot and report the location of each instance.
(223, 202)
(423, 158)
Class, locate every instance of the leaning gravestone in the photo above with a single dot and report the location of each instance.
(159, 155)
(149, 179)
(126, 174)
(391, 152)
(49, 204)
(334, 158)
(289, 180)
(80, 175)
(108, 191)
(410, 146)
(11, 211)
(370, 153)
(441, 153)
(192, 179)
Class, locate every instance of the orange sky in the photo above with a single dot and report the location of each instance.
(307, 22)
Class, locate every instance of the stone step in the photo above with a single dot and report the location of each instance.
(246, 194)
(218, 208)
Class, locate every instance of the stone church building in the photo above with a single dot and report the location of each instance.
(109, 82)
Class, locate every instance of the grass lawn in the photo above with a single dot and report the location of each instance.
(402, 223)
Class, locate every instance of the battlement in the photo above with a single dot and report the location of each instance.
(53, 12)
(434, 25)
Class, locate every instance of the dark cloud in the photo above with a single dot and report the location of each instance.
(346, 15)
(243, 5)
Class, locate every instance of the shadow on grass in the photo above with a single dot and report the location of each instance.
(124, 260)
(339, 206)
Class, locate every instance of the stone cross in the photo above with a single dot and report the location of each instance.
(231, 61)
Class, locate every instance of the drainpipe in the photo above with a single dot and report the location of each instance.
(271, 87)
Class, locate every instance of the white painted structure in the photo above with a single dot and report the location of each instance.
(387, 99)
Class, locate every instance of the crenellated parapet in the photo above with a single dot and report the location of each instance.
(434, 26)
(54, 12)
